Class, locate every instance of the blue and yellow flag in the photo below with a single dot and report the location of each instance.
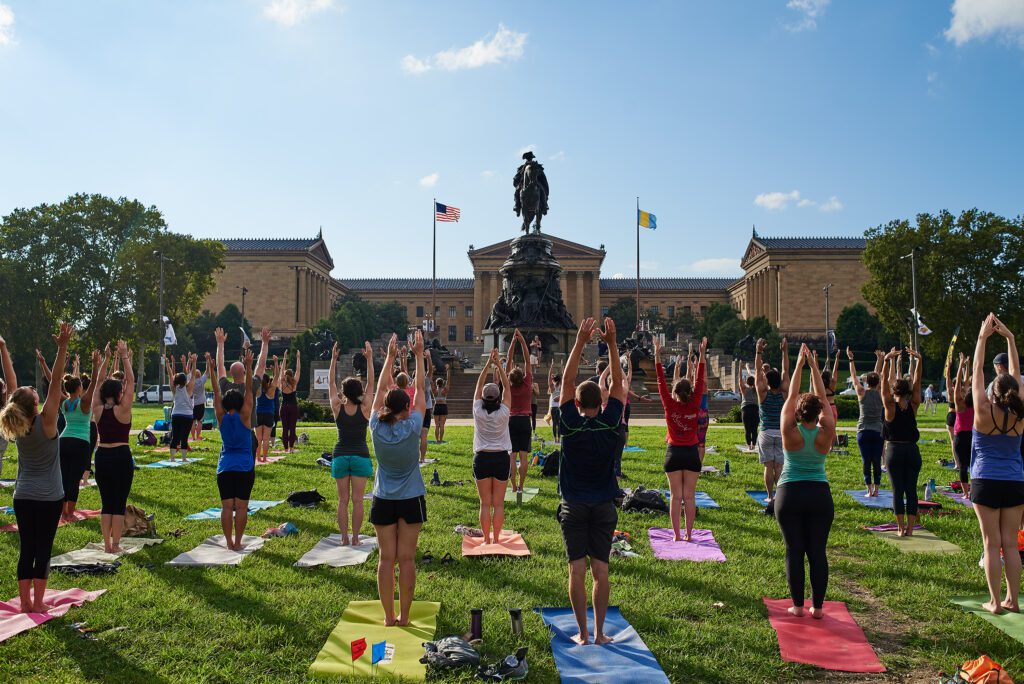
(645, 219)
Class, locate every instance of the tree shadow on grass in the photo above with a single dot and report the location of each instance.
(103, 663)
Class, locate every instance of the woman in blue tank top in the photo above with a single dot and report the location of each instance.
(236, 471)
(997, 473)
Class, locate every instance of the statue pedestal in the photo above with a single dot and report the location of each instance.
(530, 299)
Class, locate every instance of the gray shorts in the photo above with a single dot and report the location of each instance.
(769, 447)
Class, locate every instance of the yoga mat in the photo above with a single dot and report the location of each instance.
(632, 449)
(6, 483)
(270, 459)
(708, 469)
(213, 552)
(93, 553)
(510, 543)
(170, 464)
(528, 494)
(922, 541)
(626, 659)
(703, 499)
(958, 497)
(742, 448)
(428, 462)
(330, 551)
(835, 642)
(883, 500)
(950, 465)
(80, 514)
(365, 620)
(701, 547)
(7, 510)
(888, 527)
(214, 513)
(12, 621)
(1010, 624)
(758, 495)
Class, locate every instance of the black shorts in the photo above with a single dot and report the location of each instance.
(265, 420)
(950, 418)
(997, 493)
(440, 409)
(427, 414)
(496, 464)
(389, 511)
(587, 529)
(199, 412)
(682, 458)
(520, 429)
(235, 484)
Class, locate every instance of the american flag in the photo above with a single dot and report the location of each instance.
(443, 212)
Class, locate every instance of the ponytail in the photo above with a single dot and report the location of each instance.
(1006, 393)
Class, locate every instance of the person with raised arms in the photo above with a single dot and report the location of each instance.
(351, 466)
(803, 499)
(265, 414)
(869, 423)
(181, 412)
(236, 470)
(290, 402)
(38, 491)
(491, 448)
(520, 386)
(683, 460)
(199, 379)
(901, 398)
(399, 506)
(237, 379)
(75, 438)
(997, 474)
(554, 388)
(441, 386)
(772, 387)
(962, 399)
(586, 477)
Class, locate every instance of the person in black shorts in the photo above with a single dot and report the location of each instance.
(586, 478)
(491, 448)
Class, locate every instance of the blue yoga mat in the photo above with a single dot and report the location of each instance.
(758, 495)
(170, 464)
(214, 513)
(7, 509)
(883, 500)
(626, 659)
(950, 465)
(632, 448)
(703, 499)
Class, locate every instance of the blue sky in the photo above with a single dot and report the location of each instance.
(271, 118)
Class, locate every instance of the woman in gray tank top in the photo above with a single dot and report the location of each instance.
(869, 425)
(38, 491)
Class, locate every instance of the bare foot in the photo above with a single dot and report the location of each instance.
(116, 549)
(389, 621)
(687, 537)
(601, 639)
(798, 611)
(355, 540)
(1011, 606)
(581, 640)
(39, 607)
(344, 540)
(402, 622)
(992, 607)
(677, 537)
(817, 613)
(26, 609)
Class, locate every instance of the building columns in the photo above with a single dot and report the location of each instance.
(772, 298)
(493, 288)
(478, 304)
(580, 308)
(595, 294)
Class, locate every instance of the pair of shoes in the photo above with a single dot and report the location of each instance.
(512, 669)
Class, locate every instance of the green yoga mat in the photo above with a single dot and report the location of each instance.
(922, 541)
(365, 620)
(528, 494)
(1011, 624)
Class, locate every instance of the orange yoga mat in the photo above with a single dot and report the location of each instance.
(510, 543)
(79, 515)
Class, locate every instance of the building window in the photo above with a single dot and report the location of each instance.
(437, 312)
(453, 334)
(469, 333)
(654, 310)
(469, 312)
(419, 312)
(703, 310)
(604, 310)
(670, 311)
(451, 312)
(688, 309)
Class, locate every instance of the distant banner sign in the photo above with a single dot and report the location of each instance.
(321, 379)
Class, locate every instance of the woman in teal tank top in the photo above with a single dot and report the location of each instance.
(803, 500)
(75, 440)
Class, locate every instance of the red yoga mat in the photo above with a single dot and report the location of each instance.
(834, 642)
(79, 515)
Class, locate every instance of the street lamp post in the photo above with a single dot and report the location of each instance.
(245, 291)
(827, 321)
(913, 289)
(162, 324)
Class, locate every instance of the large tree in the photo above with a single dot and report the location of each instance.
(858, 328)
(967, 266)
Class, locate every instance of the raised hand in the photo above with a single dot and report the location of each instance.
(122, 348)
(334, 352)
(495, 357)
(63, 336)
(784, 345)
(1001, 328)
(367, 352)
(586, 331)
(209, 360)
(703, 345)
(761, 344)
(220, 335)
(849, 354)
(3, 342)
(265, 335)
(393, 345)
(608, 334)
(417, 343)
(247, 357)
(657, 347)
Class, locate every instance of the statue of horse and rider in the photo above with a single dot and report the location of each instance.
(531, 192)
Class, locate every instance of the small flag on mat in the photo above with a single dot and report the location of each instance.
(645, 219)
(443, 212)
(358, 648)
(377, 654)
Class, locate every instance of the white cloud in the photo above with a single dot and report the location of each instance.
(487, 174)
(776, 201)
(831, 204)
(292, 12)
(932, 77)
(810, 11)
(720, 266)
(985, 18)
(619, 275)
(6, 25)
(805, 203)
(557, 156)
(430, 181)
(932, 50)
(504, 45)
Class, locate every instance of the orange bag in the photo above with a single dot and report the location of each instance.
(983, 670)
(1020, 540)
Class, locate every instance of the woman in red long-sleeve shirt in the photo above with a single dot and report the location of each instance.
(682, 455)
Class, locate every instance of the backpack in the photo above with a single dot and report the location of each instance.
(551, 463)
(644, 499)
(982, 670)
(137, 523)
(309, 499)
(146, 438)
(449, 653)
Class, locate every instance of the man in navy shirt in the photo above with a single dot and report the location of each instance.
(586, 478)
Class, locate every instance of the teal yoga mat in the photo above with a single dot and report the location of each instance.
(214, 513)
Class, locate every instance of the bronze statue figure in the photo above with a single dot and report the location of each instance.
(531, 192)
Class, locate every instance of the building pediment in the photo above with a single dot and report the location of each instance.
(319, 251)
(560, 247)
(754, 248)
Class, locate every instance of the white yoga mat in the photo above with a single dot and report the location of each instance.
(93, 553)
(329, 551)
(213, 552)
(428, 462)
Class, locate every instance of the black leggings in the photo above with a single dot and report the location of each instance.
(556, 418)
(750, 421)
(180, 427)
(115, 471)
(805, 512)
(289, 419)
(962, 446)
(75, 459)
(903, 462)
(37, 526)
(533, 416)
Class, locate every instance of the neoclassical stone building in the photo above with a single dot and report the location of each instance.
(783, 280)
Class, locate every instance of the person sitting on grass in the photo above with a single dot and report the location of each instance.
(803, 500)
(586, 478)
(491, 448)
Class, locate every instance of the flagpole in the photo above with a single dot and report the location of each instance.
(433, 277)
(638, 262)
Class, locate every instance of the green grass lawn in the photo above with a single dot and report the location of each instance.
(266, 621)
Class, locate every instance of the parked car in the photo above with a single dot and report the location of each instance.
(150, 394)
(725, 395)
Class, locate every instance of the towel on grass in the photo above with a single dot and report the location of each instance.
(330, 551)
(214, 551)
(13, 621)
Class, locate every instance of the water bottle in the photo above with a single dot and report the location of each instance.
(476, 624)
(929, 490)
(727, 466)
(436, 480)
(516, 615)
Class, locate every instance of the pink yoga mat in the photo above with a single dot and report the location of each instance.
(80, 514)
(888, 527)
(958, 497)
(12, 621)
(701, 547)
(834, 642)
(270, 459)
(510, 543)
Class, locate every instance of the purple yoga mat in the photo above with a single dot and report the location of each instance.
(702, 547)
(958, 497)
(888, 527)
